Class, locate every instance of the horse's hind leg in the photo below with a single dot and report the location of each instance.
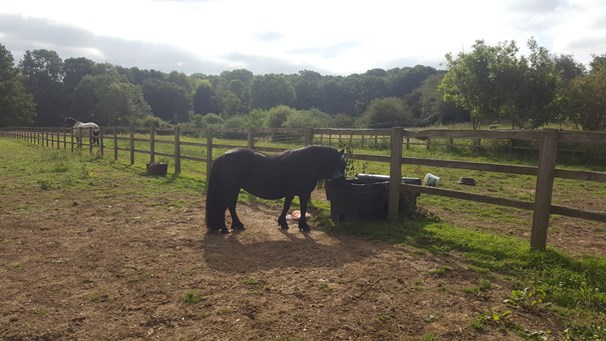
(236, 224)
(282, 218)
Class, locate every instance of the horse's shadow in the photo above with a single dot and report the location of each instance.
(235, 252)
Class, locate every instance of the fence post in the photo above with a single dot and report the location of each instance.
(71, 134)
(209, 152)
(101, 148)
(46, 136)
(177, 150)
(152, 144)
(115, 145)
(79, 138)
(395, 174)
(52, 137)
(544, 189)
(250, 137)
(309, 136)
(64, 139)
(90, 141)
(132, 145)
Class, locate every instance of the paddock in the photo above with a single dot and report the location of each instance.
(128, 258)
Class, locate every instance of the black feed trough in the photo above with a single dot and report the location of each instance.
(366, 198)
(157, 168)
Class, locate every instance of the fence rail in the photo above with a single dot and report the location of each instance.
(396, 139)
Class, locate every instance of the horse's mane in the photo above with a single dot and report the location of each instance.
(313, 151)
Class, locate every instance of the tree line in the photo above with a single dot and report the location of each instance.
(490, 83)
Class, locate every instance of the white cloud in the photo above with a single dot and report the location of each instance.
(336, 36)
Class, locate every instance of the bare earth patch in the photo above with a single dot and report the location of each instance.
(77, 266)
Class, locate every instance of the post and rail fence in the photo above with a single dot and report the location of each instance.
(397, 139)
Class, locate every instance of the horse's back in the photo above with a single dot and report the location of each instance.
(256, 173)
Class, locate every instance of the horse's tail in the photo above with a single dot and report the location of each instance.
(215, 201)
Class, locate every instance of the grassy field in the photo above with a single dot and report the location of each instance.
(566, 280)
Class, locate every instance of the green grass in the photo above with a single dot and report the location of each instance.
(192, 297)
(575, 287)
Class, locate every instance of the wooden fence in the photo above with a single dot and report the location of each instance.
(397, 138)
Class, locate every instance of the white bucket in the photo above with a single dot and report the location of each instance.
(432, 180)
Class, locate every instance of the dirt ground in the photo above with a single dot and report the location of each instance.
(109, 266)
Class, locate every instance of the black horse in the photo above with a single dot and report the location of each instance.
(293, 172)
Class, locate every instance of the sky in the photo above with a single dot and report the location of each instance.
(332, 37)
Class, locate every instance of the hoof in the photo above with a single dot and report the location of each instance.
(305, 229)
(283, 225)
(224, 231)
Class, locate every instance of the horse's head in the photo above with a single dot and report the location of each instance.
(330, 162)
(340, 167)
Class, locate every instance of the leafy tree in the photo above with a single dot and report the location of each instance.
(256, 118)
(231, 104)
(470, 82)
(540, 85)
(109, 99)
(167, 100)
(278, 115)
(588, 97)
(403, 81)
(121, 104)
(432, 107)
(307, 89)
(492, 80)
(598, 62)
(372, 87)
(386, 112)
(204, 100)
(568, 69)
(242, 75)
(312, 118)
(338, 96)
(228, 103)
(235, 122)
(270, 90)
(43, 74)
(150, 120)
(17, 107)
(180, 79)
(137, 76)
(75, 69)
(341, 121)
(237, 87)
(88, 93)
(205, 121)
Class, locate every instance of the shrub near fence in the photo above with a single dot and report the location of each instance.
(182, 142)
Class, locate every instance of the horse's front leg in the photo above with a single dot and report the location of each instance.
(304, 199)
(282, 218)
